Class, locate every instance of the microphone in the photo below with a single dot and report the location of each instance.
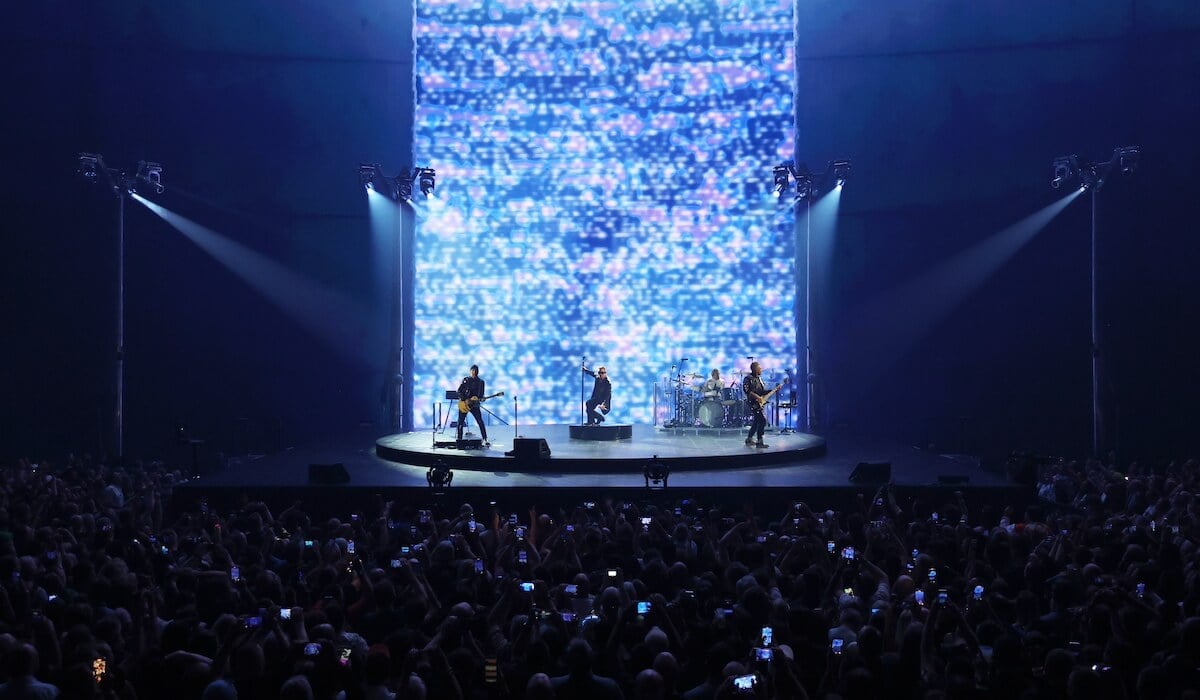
(684, 360)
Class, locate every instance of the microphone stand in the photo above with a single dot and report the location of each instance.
(516, 420)
(582, 410)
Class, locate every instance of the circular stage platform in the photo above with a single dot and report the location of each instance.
(682, 449)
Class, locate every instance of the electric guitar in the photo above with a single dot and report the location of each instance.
(465, 405)
(762, 400)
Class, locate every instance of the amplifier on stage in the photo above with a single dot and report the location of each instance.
(452, 394)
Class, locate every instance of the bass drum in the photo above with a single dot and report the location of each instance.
(711, 413)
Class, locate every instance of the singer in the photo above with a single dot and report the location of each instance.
(601, 395)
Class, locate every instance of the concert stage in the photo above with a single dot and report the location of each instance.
(679, 450)
(816, 469)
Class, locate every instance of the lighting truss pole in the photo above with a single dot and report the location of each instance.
(1092, 177)
(804, 193)
(399, 189)
(91, 168)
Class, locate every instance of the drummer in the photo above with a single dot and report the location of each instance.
(712, 386)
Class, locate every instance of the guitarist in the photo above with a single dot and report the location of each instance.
(756, 399)
(471, 391)
(601, 395)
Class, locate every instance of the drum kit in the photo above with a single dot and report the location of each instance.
(692, 407)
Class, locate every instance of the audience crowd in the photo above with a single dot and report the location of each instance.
(117, 583)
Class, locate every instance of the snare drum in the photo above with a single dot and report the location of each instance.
(711, 413)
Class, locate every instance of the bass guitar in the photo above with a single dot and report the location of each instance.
(465, 405)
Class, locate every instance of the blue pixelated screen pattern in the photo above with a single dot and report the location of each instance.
(604, 191)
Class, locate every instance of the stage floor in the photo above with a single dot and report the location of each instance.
(681, 450)
(828, 472)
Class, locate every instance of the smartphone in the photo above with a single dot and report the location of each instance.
(678, 511)
(942, 597)
(746, 682)
(1141, 590)
(848, 554)
(423, 517)
(285, 613)
(164, 549)
(309, 543)
(512, 519)
(471, 525)
(567, 616)
(768, 637)
(920, 597)
(235, 574)
(761, 539)
(570, 528)
(761, 654)
(571, 589)
(312, 649)
(612, 573)
(935, 516)
(829, 546)
(643, 607)
(253, 622)
(344, 656)
(479, 566)
(354, 517)
(350, 546)
(396, 564)
(836, 646)
(99, 669)
(489, 670)
(933, 574)
(590, 505)
(645, 520)
(522, 557)
(527, 586)
(979, 593)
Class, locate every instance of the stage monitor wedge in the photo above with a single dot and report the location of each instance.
(529, 449)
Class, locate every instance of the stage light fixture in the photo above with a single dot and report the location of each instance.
(366, 174)
(804, 183)
(404, 188)
(151, 174)
(1127, 157)
(656, 473)
(782, 173)
(427, 179)
(1065, 169)
(89, 164)
(840, 169)
(439, 475)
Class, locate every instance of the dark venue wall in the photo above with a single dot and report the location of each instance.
(259, 115)
(952, 113)
(259, 112)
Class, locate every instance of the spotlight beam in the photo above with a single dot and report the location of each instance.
(903, 315)
(326, 314)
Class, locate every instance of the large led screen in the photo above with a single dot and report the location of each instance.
(604, 191)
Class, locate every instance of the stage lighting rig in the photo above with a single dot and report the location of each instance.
(656, 473)
(93, 168)
(1092, 176)
(439, 475)
(785, 172)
